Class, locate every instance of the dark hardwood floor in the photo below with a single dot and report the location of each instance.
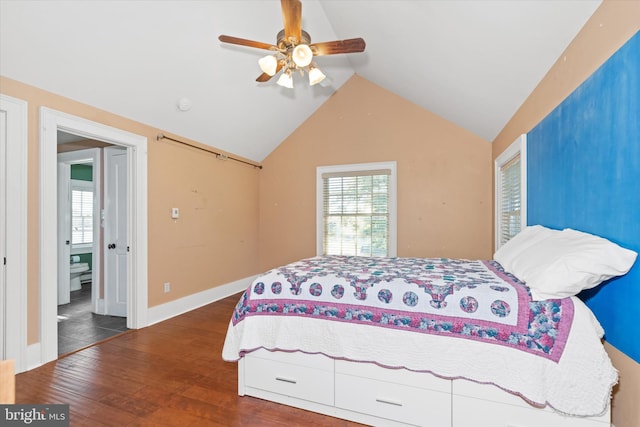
(169, 374)
(78, 327)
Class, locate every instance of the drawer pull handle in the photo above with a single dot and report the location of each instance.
(286, 380)
(388, 402)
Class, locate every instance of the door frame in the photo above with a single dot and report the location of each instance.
(52, 121)
(80, 157)
(15, 338)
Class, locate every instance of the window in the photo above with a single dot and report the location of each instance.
(81, 212)
(511, 191)
(357, 209)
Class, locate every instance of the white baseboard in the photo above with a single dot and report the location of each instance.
(34, 357)
(174, 308)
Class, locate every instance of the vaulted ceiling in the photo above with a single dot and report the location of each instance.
(473, 62)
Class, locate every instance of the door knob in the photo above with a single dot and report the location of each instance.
(111, 246)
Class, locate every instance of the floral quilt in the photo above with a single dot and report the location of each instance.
(466, 299)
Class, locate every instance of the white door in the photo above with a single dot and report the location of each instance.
(116, 231)
(64, 233)
(3, 229)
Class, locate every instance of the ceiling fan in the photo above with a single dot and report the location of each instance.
(294, 50)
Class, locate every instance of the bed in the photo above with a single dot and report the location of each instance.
(428, 341)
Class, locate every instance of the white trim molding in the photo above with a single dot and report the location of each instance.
(517, 147)
(16, 111)
(34, 356)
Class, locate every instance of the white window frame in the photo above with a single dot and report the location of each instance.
(359, 167)
(518, 147)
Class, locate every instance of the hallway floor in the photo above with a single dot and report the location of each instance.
(78, 327)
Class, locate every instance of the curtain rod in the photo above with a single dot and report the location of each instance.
(220, 156)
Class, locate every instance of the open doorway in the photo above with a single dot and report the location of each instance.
(86, 200)
(51, 122)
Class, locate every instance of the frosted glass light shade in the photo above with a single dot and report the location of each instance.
(315, 76)
(286, 80)
(302, 55)
(268, 64)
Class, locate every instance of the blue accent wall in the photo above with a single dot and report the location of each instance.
(584, 173)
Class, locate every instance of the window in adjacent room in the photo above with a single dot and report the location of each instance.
(511, 191)
(356, 207)
(81, 213)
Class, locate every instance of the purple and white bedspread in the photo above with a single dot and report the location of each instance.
(454, 318)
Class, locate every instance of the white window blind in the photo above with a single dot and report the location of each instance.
(356, 212)
(81, 217)
(510, 207)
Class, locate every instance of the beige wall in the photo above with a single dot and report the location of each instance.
(613, 23)
(625, 408)
(215, 240)
(444, 176)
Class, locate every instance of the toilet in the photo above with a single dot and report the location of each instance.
(77, 269)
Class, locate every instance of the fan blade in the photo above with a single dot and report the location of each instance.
(264, 77)
(338, 46)
(292, 16)
(245, 42)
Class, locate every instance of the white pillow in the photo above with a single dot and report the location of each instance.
(568, 262)
(526, 238)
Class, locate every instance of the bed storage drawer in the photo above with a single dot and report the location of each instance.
(315, 361)
(483, 405)
(399, 376)
(470, 412)
(290, 379)
(399, 395)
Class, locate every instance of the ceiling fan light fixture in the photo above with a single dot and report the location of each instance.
(302, 55)
(286, 80)
(293, 49)
(268, 64)
(315, 75)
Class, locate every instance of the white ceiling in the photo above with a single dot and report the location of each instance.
(471, 62)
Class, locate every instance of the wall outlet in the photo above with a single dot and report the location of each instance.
(167, 287)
